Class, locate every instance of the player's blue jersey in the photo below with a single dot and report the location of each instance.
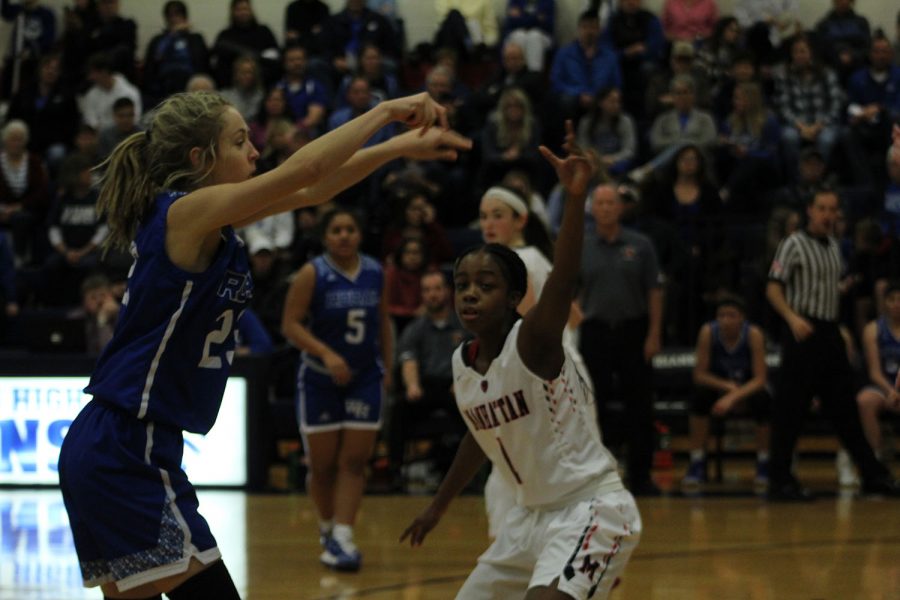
(888, 350)
(344, 312)
(171, 353)
(735, 364)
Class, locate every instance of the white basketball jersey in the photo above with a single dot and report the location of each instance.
(541, 434)
(539, 268)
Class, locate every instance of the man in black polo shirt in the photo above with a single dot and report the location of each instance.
(621, 297)
(804, 290)
(424, 353)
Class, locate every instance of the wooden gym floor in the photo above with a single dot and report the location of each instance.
(725, 545)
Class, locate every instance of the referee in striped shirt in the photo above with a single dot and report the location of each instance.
(803, 288)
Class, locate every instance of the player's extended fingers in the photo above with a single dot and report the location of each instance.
(406, 532)
(342, 377)
(570, 128)
(578, 160)
(569, 143)
(442, 117)
(415, 117)
(446, 155)
(427, 118)
(548, 154)
(419, 534)
(415, 533)
(452, 139)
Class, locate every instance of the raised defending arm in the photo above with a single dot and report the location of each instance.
(540, 339)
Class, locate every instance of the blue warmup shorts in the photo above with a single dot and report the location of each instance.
(325, 406)
(132, 510)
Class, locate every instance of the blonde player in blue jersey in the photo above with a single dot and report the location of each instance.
(337, 314)
(573, 526)
(173, 194)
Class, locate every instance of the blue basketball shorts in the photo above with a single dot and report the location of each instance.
(325, 406)
(133, 513)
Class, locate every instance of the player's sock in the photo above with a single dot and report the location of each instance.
(212, 583)
(325, 527)
(344, 535)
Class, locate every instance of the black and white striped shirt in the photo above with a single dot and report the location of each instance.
(810, 269)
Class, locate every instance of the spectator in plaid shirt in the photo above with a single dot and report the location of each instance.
(808, 99)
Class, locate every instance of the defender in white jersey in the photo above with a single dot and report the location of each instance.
(504, 218)
(573, 526)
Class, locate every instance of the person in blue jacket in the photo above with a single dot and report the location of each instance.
(584, 67)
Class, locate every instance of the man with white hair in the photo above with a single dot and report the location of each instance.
(23, 188)
(622, 301)
(513, 73)
(201, 82)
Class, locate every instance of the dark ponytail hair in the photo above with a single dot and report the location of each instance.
(596, 115)
(330, 215)
(401, 248)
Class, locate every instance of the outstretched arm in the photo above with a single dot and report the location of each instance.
(210, 208)
(434, 144)
(540, 339)
(469, 459)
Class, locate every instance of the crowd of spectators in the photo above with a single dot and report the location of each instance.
(721, 126)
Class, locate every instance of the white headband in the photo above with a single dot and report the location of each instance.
(509, 198)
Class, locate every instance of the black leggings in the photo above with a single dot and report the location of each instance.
(212, 583)
(817, 366)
